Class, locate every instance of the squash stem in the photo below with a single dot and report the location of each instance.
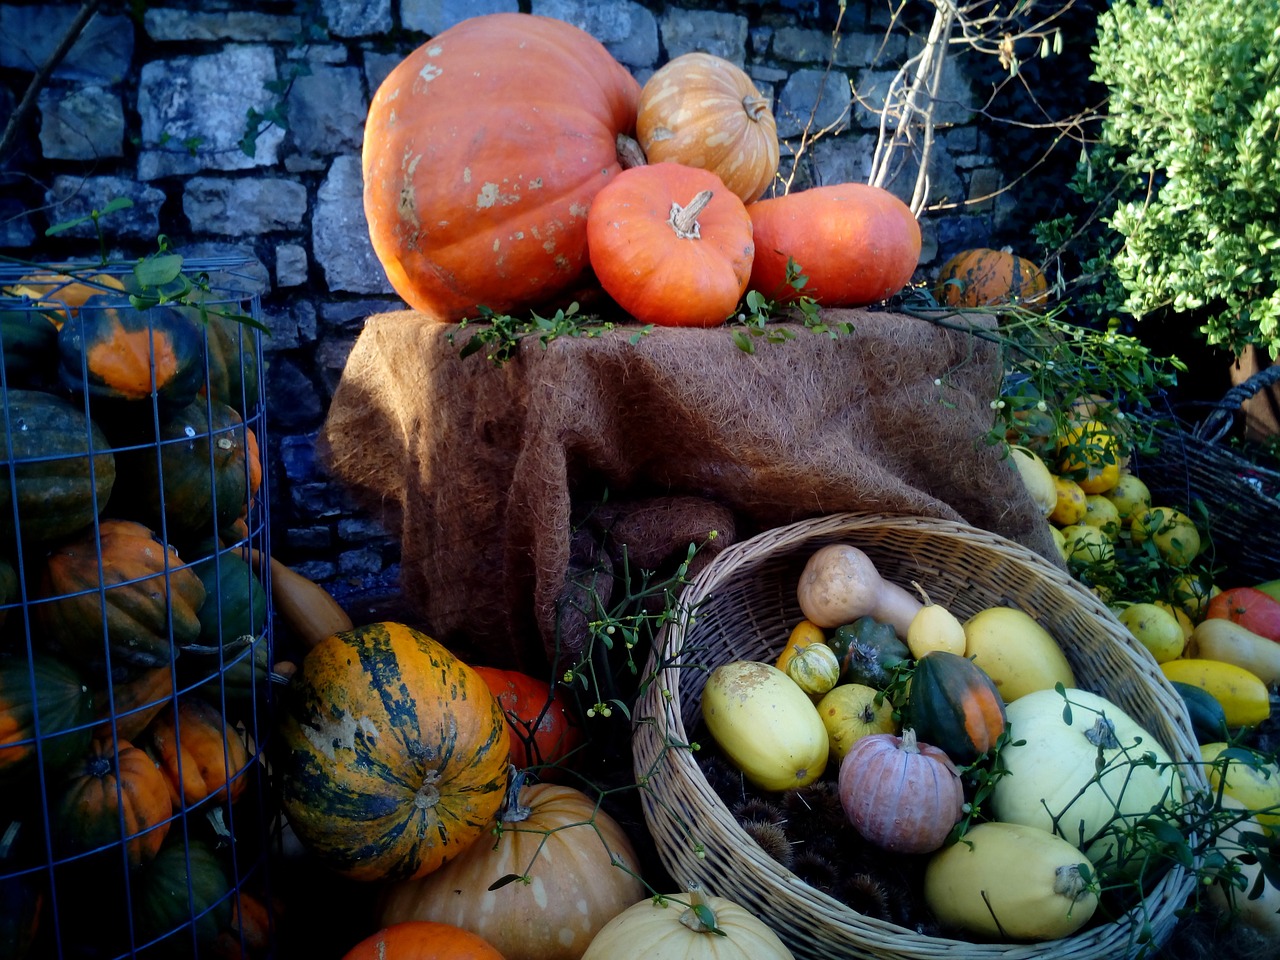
(756, 107)
(700, 918)
(1103, 734)
(684, 220)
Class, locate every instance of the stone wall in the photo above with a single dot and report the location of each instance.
(175, 109)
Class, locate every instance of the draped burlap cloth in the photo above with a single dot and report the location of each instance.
(506, 481)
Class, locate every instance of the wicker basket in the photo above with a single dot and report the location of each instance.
(743, 606)
(1193, 462)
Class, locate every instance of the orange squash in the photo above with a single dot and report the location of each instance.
(393, 753)
(106, 789)
(483, 150)
(200, 754)
(857, 244)
(671, 244)
(984, 277)
(704, 111)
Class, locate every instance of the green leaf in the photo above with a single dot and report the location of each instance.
(156, 271)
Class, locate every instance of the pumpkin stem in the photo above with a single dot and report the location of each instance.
(1068, 882)
(428, 794)
(923, 596)
(513, 811)
(700, 918)
(756, 106)
(909, 744)
(630, 153)
(684, 220)
(1103, 734)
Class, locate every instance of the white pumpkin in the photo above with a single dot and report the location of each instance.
(670, 928)
(1054, 781)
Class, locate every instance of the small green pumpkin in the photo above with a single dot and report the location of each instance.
(868, 650)
(955, 706)
(184, 885)
(29, 346)
(235, 601)
(63, 467)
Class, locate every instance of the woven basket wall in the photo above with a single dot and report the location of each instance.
(743, 606)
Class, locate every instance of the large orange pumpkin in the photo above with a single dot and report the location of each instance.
(394, 754)
(483, 150)
(671, 244)
(856, 243)
(704, 111)
(581, 874)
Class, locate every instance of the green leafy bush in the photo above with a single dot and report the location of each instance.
(1190, 158)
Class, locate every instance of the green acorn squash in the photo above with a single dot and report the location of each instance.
(113, 351)
(868, 650)
(184, 885)
(955, 706)
(53, 690)
(29, 346)
(63, 467)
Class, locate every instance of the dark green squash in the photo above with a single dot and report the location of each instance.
(233, 361)
(235, 601)
(60, 484)
(239, 671)
(147, 596)
(64, 706)
(868, 650)
(1208, 719)
(174, 899)
(29, 345)
(116, 352)
(954, 706)
(10, 589)
(199, 484)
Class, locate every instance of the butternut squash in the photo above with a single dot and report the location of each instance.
(1217, 638)
(840, 583)
(308, 609)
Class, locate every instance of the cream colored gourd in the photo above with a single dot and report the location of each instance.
(1256, 785)
(840, 583)
(934, 627)
(815, 669)
(1262, 914)
(1006, 881)
(1217, 638)
(1018, 654)
(766, 725)
(1053, 771)
(669, 928)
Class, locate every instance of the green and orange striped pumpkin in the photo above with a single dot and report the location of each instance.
(955, 706)
(983, 277)
(394, 756)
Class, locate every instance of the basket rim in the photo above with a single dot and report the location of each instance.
(882, 938)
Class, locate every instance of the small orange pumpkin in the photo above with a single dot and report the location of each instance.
(983, 277)
(856, 243)
(422, 940)
(106, 789)
(704, 111)
(199, 753)
(671, 244)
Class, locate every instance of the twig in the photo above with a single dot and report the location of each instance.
(28, 102)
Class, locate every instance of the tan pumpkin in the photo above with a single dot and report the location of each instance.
(579, 866)
(675, 927)
(704, 111)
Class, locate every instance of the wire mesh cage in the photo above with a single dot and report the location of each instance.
(135, 615)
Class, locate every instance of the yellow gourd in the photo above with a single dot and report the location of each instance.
(934, 627)
(1016, 652)
(1244, 698)
(1005, 881)
(766, 725)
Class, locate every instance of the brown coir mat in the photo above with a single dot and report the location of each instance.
(486, 472)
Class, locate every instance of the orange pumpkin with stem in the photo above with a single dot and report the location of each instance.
(482, 151)
(857, 244)
(422, 940)
(671, 244)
